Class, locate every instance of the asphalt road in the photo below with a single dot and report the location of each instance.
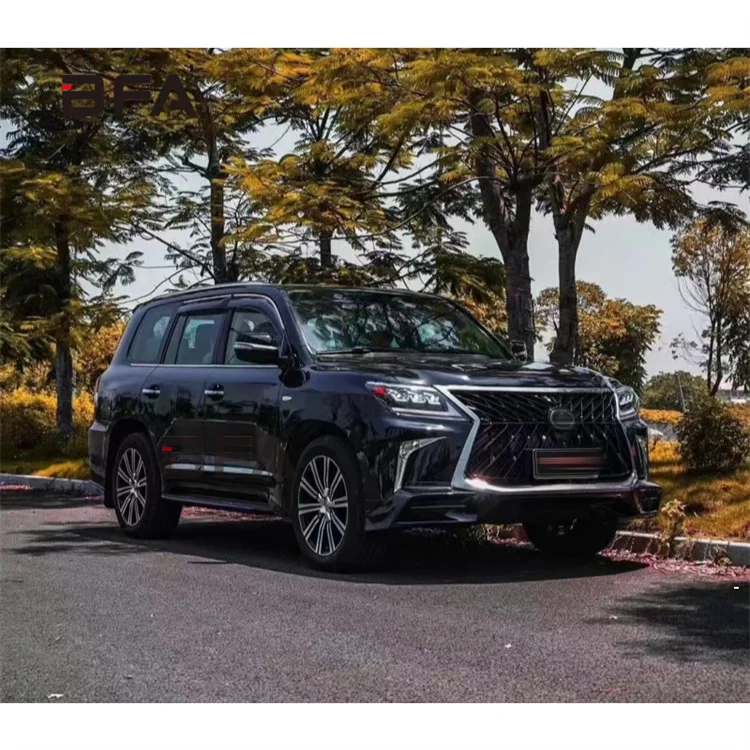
(226, 611)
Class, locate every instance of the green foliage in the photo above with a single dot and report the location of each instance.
(711, 259)
(713, 438)
(662, 391)
(615, 335)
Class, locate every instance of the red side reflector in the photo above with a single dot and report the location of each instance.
(67, 86)
(166, 449)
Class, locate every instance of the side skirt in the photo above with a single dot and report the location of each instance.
(236, 506)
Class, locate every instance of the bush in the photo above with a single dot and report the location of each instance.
(713, 438)
(28, 425)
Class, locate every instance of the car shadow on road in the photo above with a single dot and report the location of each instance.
(269, 544)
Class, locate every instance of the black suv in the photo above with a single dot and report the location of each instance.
(356, 411)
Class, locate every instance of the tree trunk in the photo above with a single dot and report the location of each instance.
(511, 232)
(710, 362)
(326, 257)
(518, 299)
(63, 355)
(719, 365)
(216, 176)
(566, 340)
(512, 236)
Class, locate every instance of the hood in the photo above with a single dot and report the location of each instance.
(459, 369)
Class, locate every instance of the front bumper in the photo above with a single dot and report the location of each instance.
(427, 486)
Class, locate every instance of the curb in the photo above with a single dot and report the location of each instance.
(687, 548)
(54, 484)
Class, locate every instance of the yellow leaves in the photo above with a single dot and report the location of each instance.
(736, 70)
(662, 416)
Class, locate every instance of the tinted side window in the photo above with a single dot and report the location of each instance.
(197, 339)
(147, 342)
(243, 323)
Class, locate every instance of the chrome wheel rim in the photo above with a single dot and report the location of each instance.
(322, 505)
(131, 487)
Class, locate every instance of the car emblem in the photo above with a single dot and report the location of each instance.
(561, 419)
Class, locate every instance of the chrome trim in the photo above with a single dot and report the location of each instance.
(151, 391)
(405, 450)
(214, 392)
(184, 467)
(214, 469)
(459, 480)
(248, 346)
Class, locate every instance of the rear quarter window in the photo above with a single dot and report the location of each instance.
(149, 337)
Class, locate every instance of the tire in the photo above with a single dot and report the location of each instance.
(135, 484)
(327, 510)
(580, 538)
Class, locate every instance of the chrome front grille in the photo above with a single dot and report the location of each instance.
(513, 424)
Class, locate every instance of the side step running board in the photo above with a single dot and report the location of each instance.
(237, 506)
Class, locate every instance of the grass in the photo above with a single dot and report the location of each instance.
(716, 505)
(66, 468)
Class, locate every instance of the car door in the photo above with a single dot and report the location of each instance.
(242, 403)
(176, 388)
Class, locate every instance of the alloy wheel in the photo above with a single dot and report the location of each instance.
(131, 487)
(322, 505)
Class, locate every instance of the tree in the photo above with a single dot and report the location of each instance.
(668, 114)
(332, 185)
(472, 109)
(738, 345)
(711, 259)
(728, 83)
(197, 147)
(614, 336)
(673, 391)
(68, 185)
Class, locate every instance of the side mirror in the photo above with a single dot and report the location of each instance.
(256, 349)
(518, 350)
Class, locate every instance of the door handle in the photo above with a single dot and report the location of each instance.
(152, 391)
(215, 392)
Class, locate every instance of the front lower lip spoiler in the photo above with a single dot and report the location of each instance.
(459, 480)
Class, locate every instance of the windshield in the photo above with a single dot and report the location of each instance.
(338, 320)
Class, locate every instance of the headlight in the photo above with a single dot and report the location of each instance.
(628, 401)
(413, 399)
